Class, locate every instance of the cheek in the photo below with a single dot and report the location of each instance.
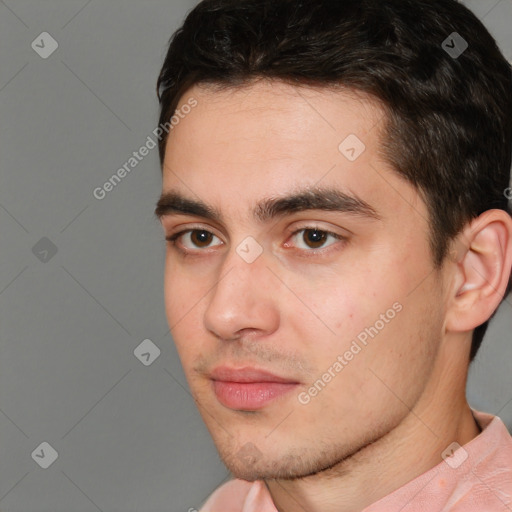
(368, 325)
(399, 360)
(182, 290)
(337, 310)
(174, 299)
(376, 379)
(182, 306)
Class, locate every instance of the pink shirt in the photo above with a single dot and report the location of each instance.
(482, 482)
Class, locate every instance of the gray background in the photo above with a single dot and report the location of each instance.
(128, 436)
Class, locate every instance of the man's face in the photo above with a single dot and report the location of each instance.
(351, 325)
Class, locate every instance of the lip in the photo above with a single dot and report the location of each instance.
(246, 374)
(247, 388)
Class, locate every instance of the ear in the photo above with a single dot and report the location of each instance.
(481, 270)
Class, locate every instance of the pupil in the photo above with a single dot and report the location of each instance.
(316, 237)
(202, 237)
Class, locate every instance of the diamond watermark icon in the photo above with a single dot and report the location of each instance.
(45, 455)
(44, 45)
(249, 249)
(454, 455)
(146, 352)
(44, 250)
(249, 454)
(352, 147)
(454, 45)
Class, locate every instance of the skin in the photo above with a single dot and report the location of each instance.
(395, 407)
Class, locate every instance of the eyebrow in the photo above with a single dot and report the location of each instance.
(316, 198)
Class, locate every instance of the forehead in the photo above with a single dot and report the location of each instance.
(268, 120)
(265, 138)
(267, 106)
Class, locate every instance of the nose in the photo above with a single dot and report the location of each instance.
(244, 299)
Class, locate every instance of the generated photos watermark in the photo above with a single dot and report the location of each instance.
(356, 346)
(150, 143)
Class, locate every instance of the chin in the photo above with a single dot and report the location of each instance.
(249, 463)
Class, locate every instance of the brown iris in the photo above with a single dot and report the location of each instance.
(200, 237)
(315, 237)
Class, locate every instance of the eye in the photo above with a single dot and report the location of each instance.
(315, 238)
(199, 238)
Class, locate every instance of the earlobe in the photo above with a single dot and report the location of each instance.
(481, 270)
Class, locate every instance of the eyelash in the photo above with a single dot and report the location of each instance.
(172, 239)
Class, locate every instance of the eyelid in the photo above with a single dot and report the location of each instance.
(313, 224)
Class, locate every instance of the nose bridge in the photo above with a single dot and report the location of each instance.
(244, 267)
(240, 299)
